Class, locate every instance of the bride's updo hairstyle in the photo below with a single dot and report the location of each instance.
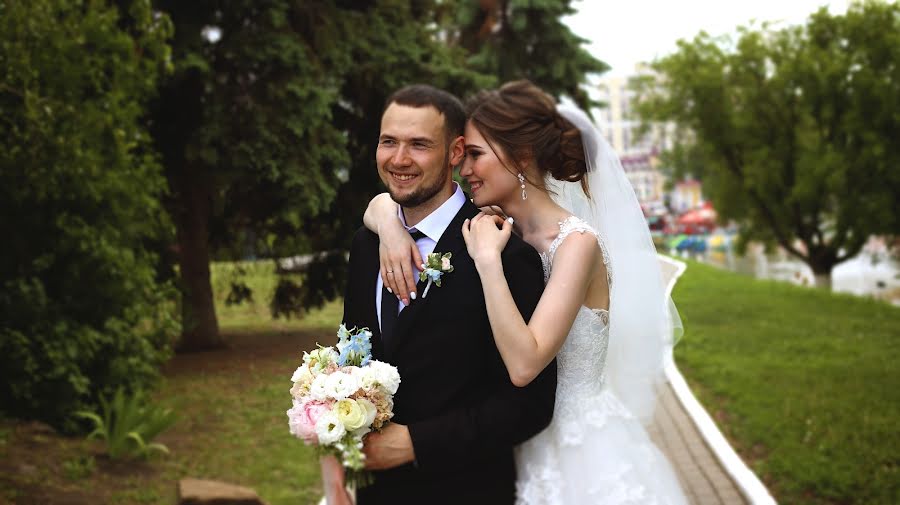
(521, 119)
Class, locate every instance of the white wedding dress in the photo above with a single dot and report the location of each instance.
(594, 451)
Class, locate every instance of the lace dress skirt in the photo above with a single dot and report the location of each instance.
(594, 451)
(607, 461)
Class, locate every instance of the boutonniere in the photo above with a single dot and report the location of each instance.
(435, 266)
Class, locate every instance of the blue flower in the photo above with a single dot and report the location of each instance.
(343, 334)
(433, 274)
(356, 348)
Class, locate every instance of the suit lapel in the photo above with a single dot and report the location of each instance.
(451, 241)
(366, 283)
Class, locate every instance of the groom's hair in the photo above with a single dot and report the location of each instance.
(423, 95)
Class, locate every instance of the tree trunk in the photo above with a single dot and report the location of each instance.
(200, 328)
(822, 274)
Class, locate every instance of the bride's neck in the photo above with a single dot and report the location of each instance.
(537, 218)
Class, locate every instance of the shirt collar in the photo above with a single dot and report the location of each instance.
(434, 224)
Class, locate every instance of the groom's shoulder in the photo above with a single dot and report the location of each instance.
(518, 247)
(363, 237)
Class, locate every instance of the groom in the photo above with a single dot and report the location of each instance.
(457, 415)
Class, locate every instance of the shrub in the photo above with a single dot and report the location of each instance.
(81, 310)
(128, 424)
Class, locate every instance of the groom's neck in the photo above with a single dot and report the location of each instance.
(414, 215)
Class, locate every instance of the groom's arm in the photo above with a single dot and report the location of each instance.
(509, 415)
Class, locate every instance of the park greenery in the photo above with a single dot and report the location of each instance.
(158, 156)
(800, 380)
(792, 130)
(82, 308)
(128, 423)
(142, 139)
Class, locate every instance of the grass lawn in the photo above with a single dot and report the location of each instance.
(232, 424)
(804, 382)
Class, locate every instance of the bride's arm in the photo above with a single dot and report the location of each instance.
(397, 251)
(527, 348)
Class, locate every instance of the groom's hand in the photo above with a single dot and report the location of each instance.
(390, 448)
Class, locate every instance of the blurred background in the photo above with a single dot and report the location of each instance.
(180, 181)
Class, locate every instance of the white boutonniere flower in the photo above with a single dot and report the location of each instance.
(434, 268)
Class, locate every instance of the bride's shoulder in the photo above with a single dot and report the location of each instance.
(575, 224)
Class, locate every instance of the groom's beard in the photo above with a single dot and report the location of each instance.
(423, 193)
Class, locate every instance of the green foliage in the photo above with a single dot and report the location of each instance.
(81, 310)
(516, 39)
(391, 44)
(80, 467)
(793, 131)
(128, 424)
(804, 381)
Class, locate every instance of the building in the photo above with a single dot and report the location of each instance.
(619, 124)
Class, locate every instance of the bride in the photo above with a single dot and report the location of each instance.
(603, 313)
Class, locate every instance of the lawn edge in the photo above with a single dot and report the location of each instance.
(747, 482)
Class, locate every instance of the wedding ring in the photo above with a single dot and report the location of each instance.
(390, 271)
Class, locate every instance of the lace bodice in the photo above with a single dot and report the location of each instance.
(582, 359)
(595, 452)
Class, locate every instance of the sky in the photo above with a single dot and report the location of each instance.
(626, 32)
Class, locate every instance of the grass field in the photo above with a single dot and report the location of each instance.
(804, 382)
(232, 424)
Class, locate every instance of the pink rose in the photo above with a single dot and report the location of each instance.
(445, 264)
(302, 419)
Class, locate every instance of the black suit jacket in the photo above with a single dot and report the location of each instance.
(463, 412)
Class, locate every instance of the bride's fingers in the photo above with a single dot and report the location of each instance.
(506, 228)
(498, 220)
(385, 277)
(407, 284)
(418, 261)
(398, 280)
(466, 232)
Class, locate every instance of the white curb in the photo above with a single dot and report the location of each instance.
(747, 481)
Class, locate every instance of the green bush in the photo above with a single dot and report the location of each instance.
(81, 309)
(128, 424)
(80, 467)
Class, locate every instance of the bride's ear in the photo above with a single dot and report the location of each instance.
(457, 150)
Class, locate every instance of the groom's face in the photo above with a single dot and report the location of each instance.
(413, 156)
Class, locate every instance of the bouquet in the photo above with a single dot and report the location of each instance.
(341, 394)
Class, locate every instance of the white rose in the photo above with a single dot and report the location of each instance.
(370, 409)
(445, 263)
(340, 385)
(386, 375)
(329, 429)
(302, 373)
(351, 414)
(366, 377)
(318, 390)
(320, 358)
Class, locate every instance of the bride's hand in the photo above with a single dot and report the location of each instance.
(333, 482)
(493, 210)
(397, 254)
(484, 240)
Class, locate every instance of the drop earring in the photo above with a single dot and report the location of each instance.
(522, 182)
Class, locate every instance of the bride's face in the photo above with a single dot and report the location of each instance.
(491, 182)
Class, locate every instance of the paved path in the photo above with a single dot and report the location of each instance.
(702, 475)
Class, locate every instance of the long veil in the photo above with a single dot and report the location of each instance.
(643, 321)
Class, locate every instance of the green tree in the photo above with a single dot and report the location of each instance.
(245, 129)
(452, 45)
(81, 310)
(523, 39)
(793, 131)
(393, 44)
